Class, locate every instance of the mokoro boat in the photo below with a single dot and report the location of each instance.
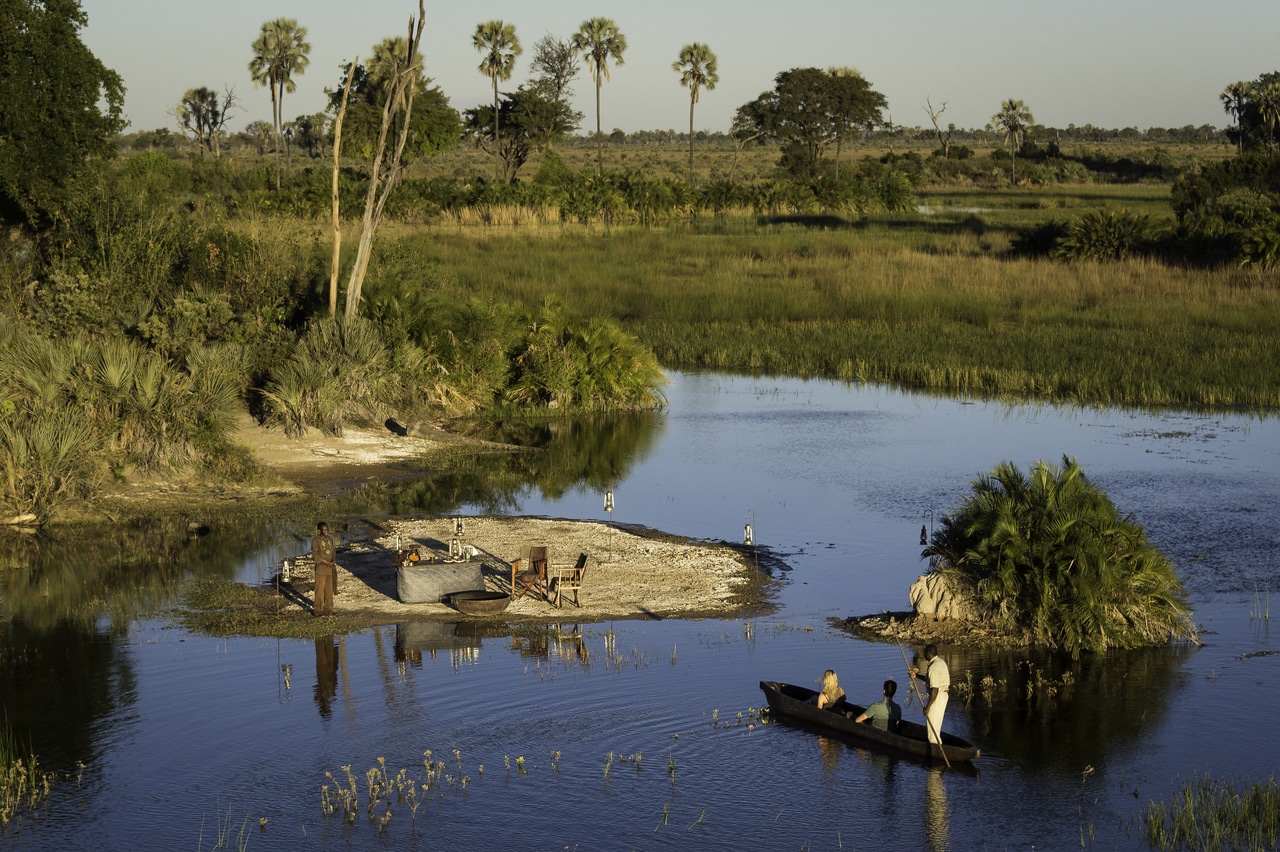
(793, 701)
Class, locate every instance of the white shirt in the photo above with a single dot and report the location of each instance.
(938, 675)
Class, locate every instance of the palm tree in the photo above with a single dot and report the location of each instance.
(280, 51)
(599, 40)
(697, 67)
(1267, 97)
(1235, 100)
(499, 47)
(1050, 557)
(1013, 118)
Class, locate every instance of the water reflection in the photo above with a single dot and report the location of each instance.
(57, 684)
(460, 638)
(326, 674)
(937, 819)
(82, 575)
(558, 456)
(1049, 711)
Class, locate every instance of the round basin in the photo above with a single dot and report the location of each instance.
(479, 602)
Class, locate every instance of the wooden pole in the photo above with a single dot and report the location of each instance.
(928, 722)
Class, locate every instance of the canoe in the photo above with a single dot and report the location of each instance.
(792, 702)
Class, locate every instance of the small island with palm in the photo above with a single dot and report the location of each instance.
(1042, 559)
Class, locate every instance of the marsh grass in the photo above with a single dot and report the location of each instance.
(928, 303)
(1261, 604)
(226, 834)
(1213, 814)
(24, 786)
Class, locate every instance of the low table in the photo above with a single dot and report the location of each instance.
(431, 582)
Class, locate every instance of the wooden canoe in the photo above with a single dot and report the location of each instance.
(787, 700)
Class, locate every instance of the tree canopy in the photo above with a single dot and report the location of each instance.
(531, 121)
(599, 40)
(280, 51)
(59, 106)
(806, 111)
(499, 46)
(698, 70)
(1255, 106)
(1013, 119)
(434, 125)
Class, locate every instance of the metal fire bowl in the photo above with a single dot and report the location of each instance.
(480, 602)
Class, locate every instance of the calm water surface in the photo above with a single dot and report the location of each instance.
(644, 734)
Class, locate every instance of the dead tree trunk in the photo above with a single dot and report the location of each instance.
(337, 221)
(384, 171)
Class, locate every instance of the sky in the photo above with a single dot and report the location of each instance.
(1114, 64)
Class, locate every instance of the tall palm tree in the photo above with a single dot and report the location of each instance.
(599, 40)
(1267, 96)
(280, 51)
(499, 48)
(697, 67)
(1013, 118)
(1235, 100)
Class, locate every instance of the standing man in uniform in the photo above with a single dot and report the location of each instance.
(322, 551)
(938, 680)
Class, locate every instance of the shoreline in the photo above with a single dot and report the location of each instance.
(632, 572)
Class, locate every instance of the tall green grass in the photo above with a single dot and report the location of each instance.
(925, 302)
(1212, 815)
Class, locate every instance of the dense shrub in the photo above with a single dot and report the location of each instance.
(1051, 558)
(1103, 235)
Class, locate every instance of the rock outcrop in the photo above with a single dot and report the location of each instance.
(937, 596)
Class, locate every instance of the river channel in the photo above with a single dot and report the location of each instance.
(646, 734)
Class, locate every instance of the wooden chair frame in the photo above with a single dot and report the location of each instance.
(568, 578)
(529, 574)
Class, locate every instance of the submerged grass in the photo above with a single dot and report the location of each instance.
(1213, 814)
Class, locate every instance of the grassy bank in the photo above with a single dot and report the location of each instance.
(929, 301)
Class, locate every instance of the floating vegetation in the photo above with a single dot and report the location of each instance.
(1212, 814)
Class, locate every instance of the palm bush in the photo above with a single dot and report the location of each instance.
(1103, 235)
(1053, 560)
(338, 373)
(46, 460)
(565, 363)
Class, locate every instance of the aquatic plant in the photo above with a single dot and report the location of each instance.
(1049, 556)
(1212, 814)
(23, 784)
(226, 834)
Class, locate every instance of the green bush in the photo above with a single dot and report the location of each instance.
(1103, 235)
(1052, 559)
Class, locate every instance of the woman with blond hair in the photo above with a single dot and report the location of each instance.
(831, 691)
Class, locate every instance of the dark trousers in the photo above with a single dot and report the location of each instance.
(326, 577)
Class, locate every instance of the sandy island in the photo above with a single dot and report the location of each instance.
(631, 572)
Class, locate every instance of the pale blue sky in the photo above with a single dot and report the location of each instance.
(1121, 63)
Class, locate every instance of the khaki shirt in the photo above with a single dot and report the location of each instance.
(322, 549)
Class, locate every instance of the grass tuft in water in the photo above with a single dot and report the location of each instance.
(23, 784)
(1211, 814)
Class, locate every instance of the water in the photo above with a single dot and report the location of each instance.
(630, 732)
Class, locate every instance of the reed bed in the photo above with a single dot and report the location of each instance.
(24, 786)
(1212, 814)
(914, 303)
